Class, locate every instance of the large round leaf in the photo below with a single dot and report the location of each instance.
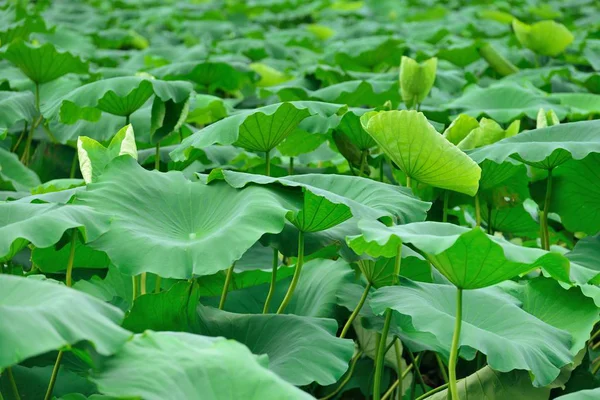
(519, 342)
(15, 107)
(14, 174)
(545, 148)
(259, 129)
(44, 224)
(165, 224)
(43, 63)
(301, 350)
(469, 258)
(365, 198)
(505, 102)
(421, 152)
(119, 96)
(42, 316)
(169, 365)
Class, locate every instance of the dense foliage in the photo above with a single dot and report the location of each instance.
(289, 199)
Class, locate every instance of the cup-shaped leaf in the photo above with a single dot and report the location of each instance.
(46, 316)
(547, 38)
(167, 225)
(545, 148)
(469, 258)
(416, 80)
(94, 157)
(488, 132)
(519, 342)
(207, 368)
(421, 152)
(318, 213)
(460, 127)
(351, 127)
(44, 224)
(43, 63)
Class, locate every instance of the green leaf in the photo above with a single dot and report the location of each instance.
(469, 258)
(301, 349)
(259, 129)
(351, 127)
(584, 260)
(488, 132)
(568, 310)
(545, 148)
(460, 128)
(589, 394)
(269, 76)
(119, 96)
(44, 224)
(364, 197)
(505, 102)
(41, 321)
(94, 157)
(489, 384)
(16, 107)
(546, 118)
(43, 63)
(547, 38)
(581, 105)
(207, 368)
(500, 64)
(416, 80)
(318, 214)
(160, 224)
(421, 152)
(52, 260)
(576, 193)
(14, 175)
(519, 342)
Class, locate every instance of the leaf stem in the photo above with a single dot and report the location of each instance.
(445, 206)
(398, 352)
(69, 279)
(13, 384)
(442, 368)
(273, 281)
(25, 156)
(477, 210)
(20, 139)
(408, 182)
(363, 161)
(73, 166)
(157, 157)
(546, 238)
(143, 278)
(356, 311)
(134, 287)
(418, 375)
(381, 350)
(454, 349)
(291, 167)
(226, 286)
(127, 119)
(268, 162)
(296, 277)
(54, 376)
(398, 382)
(37, 96)
(432, 391)
(157, 284)
(346, 379)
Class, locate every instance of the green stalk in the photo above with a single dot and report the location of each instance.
(346, 378)
(226, 286)
(69, 279)
(398, 352)
(54, 375)
(157, 284)
(445, 206)
(73, 166)
(356, 311)
(291, 167)
(477, 210)
(432, 392)
(143, 278)
(546, 238)
(126, 120)
(442, 367)
(490, 230)
(273, 281)
(268, 162)
(157, 157)
(13, 384)
(408, 182)
(37, 96)
(399, 381)
(134, 286)
(20, 139)
(296, 277)
(454, 349)
(363, 161)
(381, 355)
(25, 156)
(381, 169)
(418, 377)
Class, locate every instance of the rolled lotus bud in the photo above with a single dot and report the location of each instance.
(416, 80)
(546, 118)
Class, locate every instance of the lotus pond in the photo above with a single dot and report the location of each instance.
(289, 199)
